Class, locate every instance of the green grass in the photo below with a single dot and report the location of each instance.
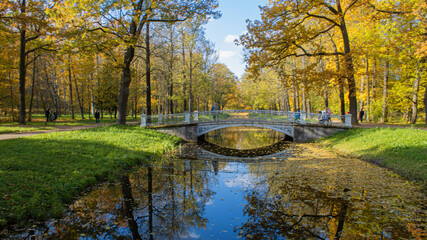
(39, 174)
(12, 129)
(403, 150)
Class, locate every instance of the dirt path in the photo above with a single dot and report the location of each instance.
(57, 129)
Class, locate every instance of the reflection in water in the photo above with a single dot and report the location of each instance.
(244, 137)
(245, 153)
(312, 195)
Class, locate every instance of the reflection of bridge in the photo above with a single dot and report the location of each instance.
(205, 150)
(203, 154)
(301, 126)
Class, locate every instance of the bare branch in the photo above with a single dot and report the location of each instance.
(40, 47)
(167, 20)
(332, 9)
(31, 38)
(350, 6)
(323, 17)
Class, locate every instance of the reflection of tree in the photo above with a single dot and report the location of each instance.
(172, 198)
(153, 203)
(262, 151)
(244, 137)
(309, 197)
(129, 203)
(292, 216)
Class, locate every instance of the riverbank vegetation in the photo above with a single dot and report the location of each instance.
(403, 150)
(40, 174)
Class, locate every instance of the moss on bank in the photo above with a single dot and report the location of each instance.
(403, 150)
(39, 174)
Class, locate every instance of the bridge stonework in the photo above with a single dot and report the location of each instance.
(299, 133)
(206, 127)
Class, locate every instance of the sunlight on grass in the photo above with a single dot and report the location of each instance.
(41, 173)
(402, 149)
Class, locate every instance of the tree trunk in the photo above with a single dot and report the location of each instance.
(170, 92)
(415, 96)
(65, 99)
(71, 87)
(22, 67)
(425, 103)
(11, 94)
(309, 110)
(368, 92)
(385, 90)
(339, 80)
(126, 77)
(185, 78)
(79, 99)
(33, 85)
(190, 86)
(148, 71)
(124, 86)
(362, 90)
(348, 60)
(294, 98)
(326, 98)
(303, 98)
(287, 106)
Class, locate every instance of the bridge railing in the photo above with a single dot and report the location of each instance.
(236, 115)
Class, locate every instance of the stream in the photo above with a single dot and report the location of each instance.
(246, 183)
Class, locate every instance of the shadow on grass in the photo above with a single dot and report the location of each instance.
(39, 175)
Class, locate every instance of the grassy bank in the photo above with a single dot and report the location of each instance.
(404, 150)
(39, 174)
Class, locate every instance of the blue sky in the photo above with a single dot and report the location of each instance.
(223, 31)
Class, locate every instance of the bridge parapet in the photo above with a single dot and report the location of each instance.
(302, 118)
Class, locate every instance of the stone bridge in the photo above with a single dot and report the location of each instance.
(300, 127)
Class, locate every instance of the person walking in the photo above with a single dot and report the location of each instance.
(328, 116)
(361, 115)
(47, 115)
(97, 116)
(214, 109)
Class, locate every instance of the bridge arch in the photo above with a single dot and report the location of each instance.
(204, 128)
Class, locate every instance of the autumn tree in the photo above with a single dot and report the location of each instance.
(125, 20)
(293, 29)
(28, 19)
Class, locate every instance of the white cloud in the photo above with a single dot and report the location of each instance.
(230, 38)
(223, 54)
(191, 235)
(241, 180)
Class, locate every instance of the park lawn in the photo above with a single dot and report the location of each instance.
(403, 150)
(40, 174)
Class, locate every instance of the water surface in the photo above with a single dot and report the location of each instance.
(308, 193)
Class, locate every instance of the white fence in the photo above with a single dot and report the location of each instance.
(261, 115)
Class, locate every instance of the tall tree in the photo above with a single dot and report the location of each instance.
(293, 29)
(28, 17)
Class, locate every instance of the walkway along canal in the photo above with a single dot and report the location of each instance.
(305, 193)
